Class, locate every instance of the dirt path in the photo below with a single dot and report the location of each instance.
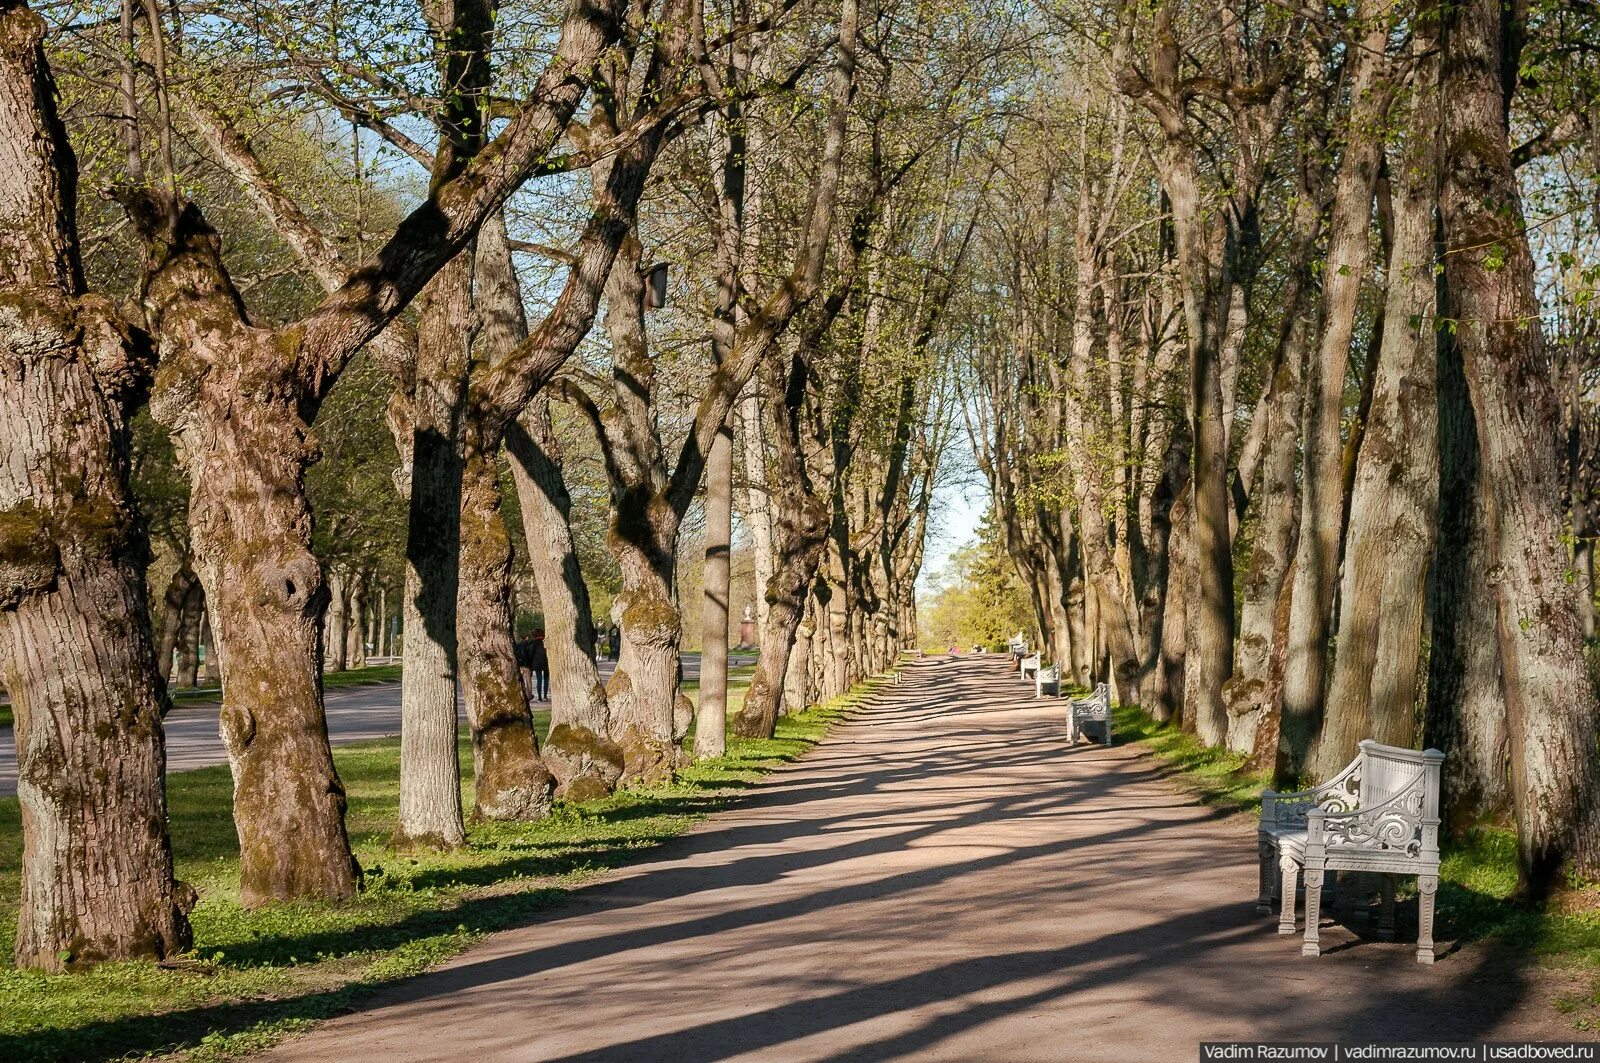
(943, 879)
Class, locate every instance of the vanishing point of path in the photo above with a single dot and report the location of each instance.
(944, 878)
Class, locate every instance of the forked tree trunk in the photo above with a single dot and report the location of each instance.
(76, 653)
(1394, 501)
(244, 447)
(1550, 696)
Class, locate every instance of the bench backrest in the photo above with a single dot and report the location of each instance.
(1097, 706)
(1388, 771)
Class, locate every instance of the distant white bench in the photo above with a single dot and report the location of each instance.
(1028, 666)
(1091, 711)
(1379, 815)
(1047, 678)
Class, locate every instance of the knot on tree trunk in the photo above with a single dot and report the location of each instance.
(586, 765)
(29, 557)
(295, 583)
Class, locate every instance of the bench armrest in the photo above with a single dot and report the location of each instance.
(1395, 825)
(1339, 794)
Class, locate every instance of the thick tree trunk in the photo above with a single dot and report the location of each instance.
(76, 653)
(510, 781)
(1466, 712)
(1322, 504)
(1389, 544)
(1550, 696)
(578, 750)
(430, 774)
(250, 527)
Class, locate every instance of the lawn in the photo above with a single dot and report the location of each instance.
(353, 677)
(1476, 877)
(255, 976)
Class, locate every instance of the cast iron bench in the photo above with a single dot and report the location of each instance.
(1379, 815)
(1094, 710)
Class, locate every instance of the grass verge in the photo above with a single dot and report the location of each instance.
(257, 976)
(1477, 874)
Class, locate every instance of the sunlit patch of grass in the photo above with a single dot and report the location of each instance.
(1220, 777)
(256, 976)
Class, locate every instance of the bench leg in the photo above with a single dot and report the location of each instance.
(1311, 947)
(1289, 877)
(1427, 886)
(1265, 851)
(1386, 910)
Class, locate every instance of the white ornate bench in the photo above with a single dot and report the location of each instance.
(1028, 666)
(1047, 678)
(1093, 710)
(1380, 815)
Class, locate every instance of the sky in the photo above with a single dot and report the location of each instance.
(959, 504)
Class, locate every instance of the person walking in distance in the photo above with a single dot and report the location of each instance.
(539, 661)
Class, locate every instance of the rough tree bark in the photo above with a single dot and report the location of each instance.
(1466, 711)
(76, 651)
(1322, 503)
(1550, 696)
(1389, 543)
(238, 398)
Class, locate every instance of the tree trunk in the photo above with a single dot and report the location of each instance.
(578, 749)
(338, 634)
(1274, 544)
(355, 654)
(189, 626)
(1322, 503)
(245, 452)
(430, 774)
(1466, 711)
(711, 718)
(510, 781)
(758, 507)
(1394, 501)
(76, 652)
(174, 602)
(1550, 696)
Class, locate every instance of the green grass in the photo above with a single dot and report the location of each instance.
(1477, 875)
(254, 977)
(350, 677)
